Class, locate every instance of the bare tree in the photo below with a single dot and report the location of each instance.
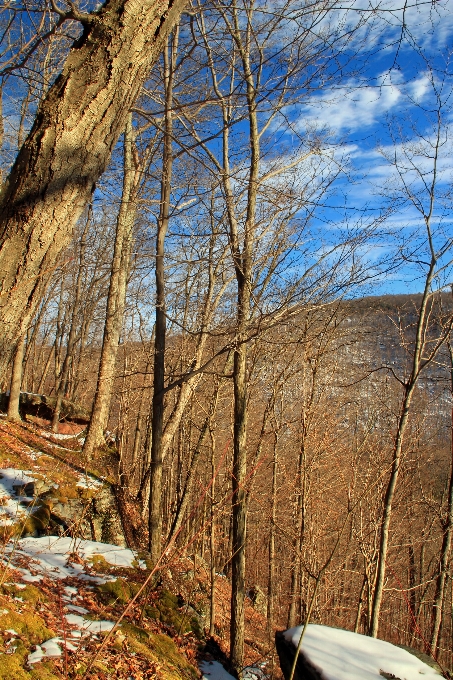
(416, 185)
(116, 296)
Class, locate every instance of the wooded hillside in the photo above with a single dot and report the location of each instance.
(192, 273)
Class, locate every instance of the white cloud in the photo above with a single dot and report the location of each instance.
(350, 109)
(419, 87)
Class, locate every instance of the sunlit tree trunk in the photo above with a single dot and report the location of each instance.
(447, 527)
(116, 299)
(157, 423)
(76, 127)
(16, 381)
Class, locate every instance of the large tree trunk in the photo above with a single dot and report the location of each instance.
(76, 127)
(116, 299)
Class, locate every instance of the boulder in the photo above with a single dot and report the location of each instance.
(43, 407)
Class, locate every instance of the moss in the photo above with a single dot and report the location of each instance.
(165, 649)
(152, 612)
(143, 557)
(99, 564)
(33, 631)
(44, 671)
(65, 491)
(168, 600)
(166, 609)
(160, 649)
(9, 532)
(29, 593)
(38, 520)
(99, 666)
(12, 666)
(196, 628)
(29, 625)
(121, 591)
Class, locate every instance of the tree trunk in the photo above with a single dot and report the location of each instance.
(242, 259)
(446, 542)
(271, 566)
(239, 510)
(157, 427)
(115, 301)
(69, 146)
(409, 388)
(16, 381)
(212, 536)
(62, 386)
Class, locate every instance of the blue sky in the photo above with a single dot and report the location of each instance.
(386, 121)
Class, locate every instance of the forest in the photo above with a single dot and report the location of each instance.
(238, 302)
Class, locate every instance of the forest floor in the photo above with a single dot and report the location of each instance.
(67, 607)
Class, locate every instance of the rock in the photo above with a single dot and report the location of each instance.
(43, 407)
(258, 598)
(304, 669)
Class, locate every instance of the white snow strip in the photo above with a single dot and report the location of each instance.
(75, 608)
(55, 435)
(213, 670)
(52, 648)
(253, 673)
(88, 625)
(342, 655)
(71, 591)
(32, 579)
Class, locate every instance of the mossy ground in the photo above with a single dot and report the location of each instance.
(159, 646)
(161, 650)
(18, 613)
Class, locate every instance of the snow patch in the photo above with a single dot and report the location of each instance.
(87, 625)
(51, 555)
(51, 648)
(342, 655)
(11, 509)
(213, 670)
(88, 482)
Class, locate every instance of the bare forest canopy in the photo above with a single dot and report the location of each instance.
(197, 201)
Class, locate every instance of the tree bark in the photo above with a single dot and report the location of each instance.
(116, 299)
(157, 427)
(446, 541)
(16, 381)
(271, 565)
(69, 146)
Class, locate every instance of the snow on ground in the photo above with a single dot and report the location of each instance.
(213, 670)
(10, 505)
(88, 482)
(51, 556)
(88, 624)
(56, 435)
(342, 655)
